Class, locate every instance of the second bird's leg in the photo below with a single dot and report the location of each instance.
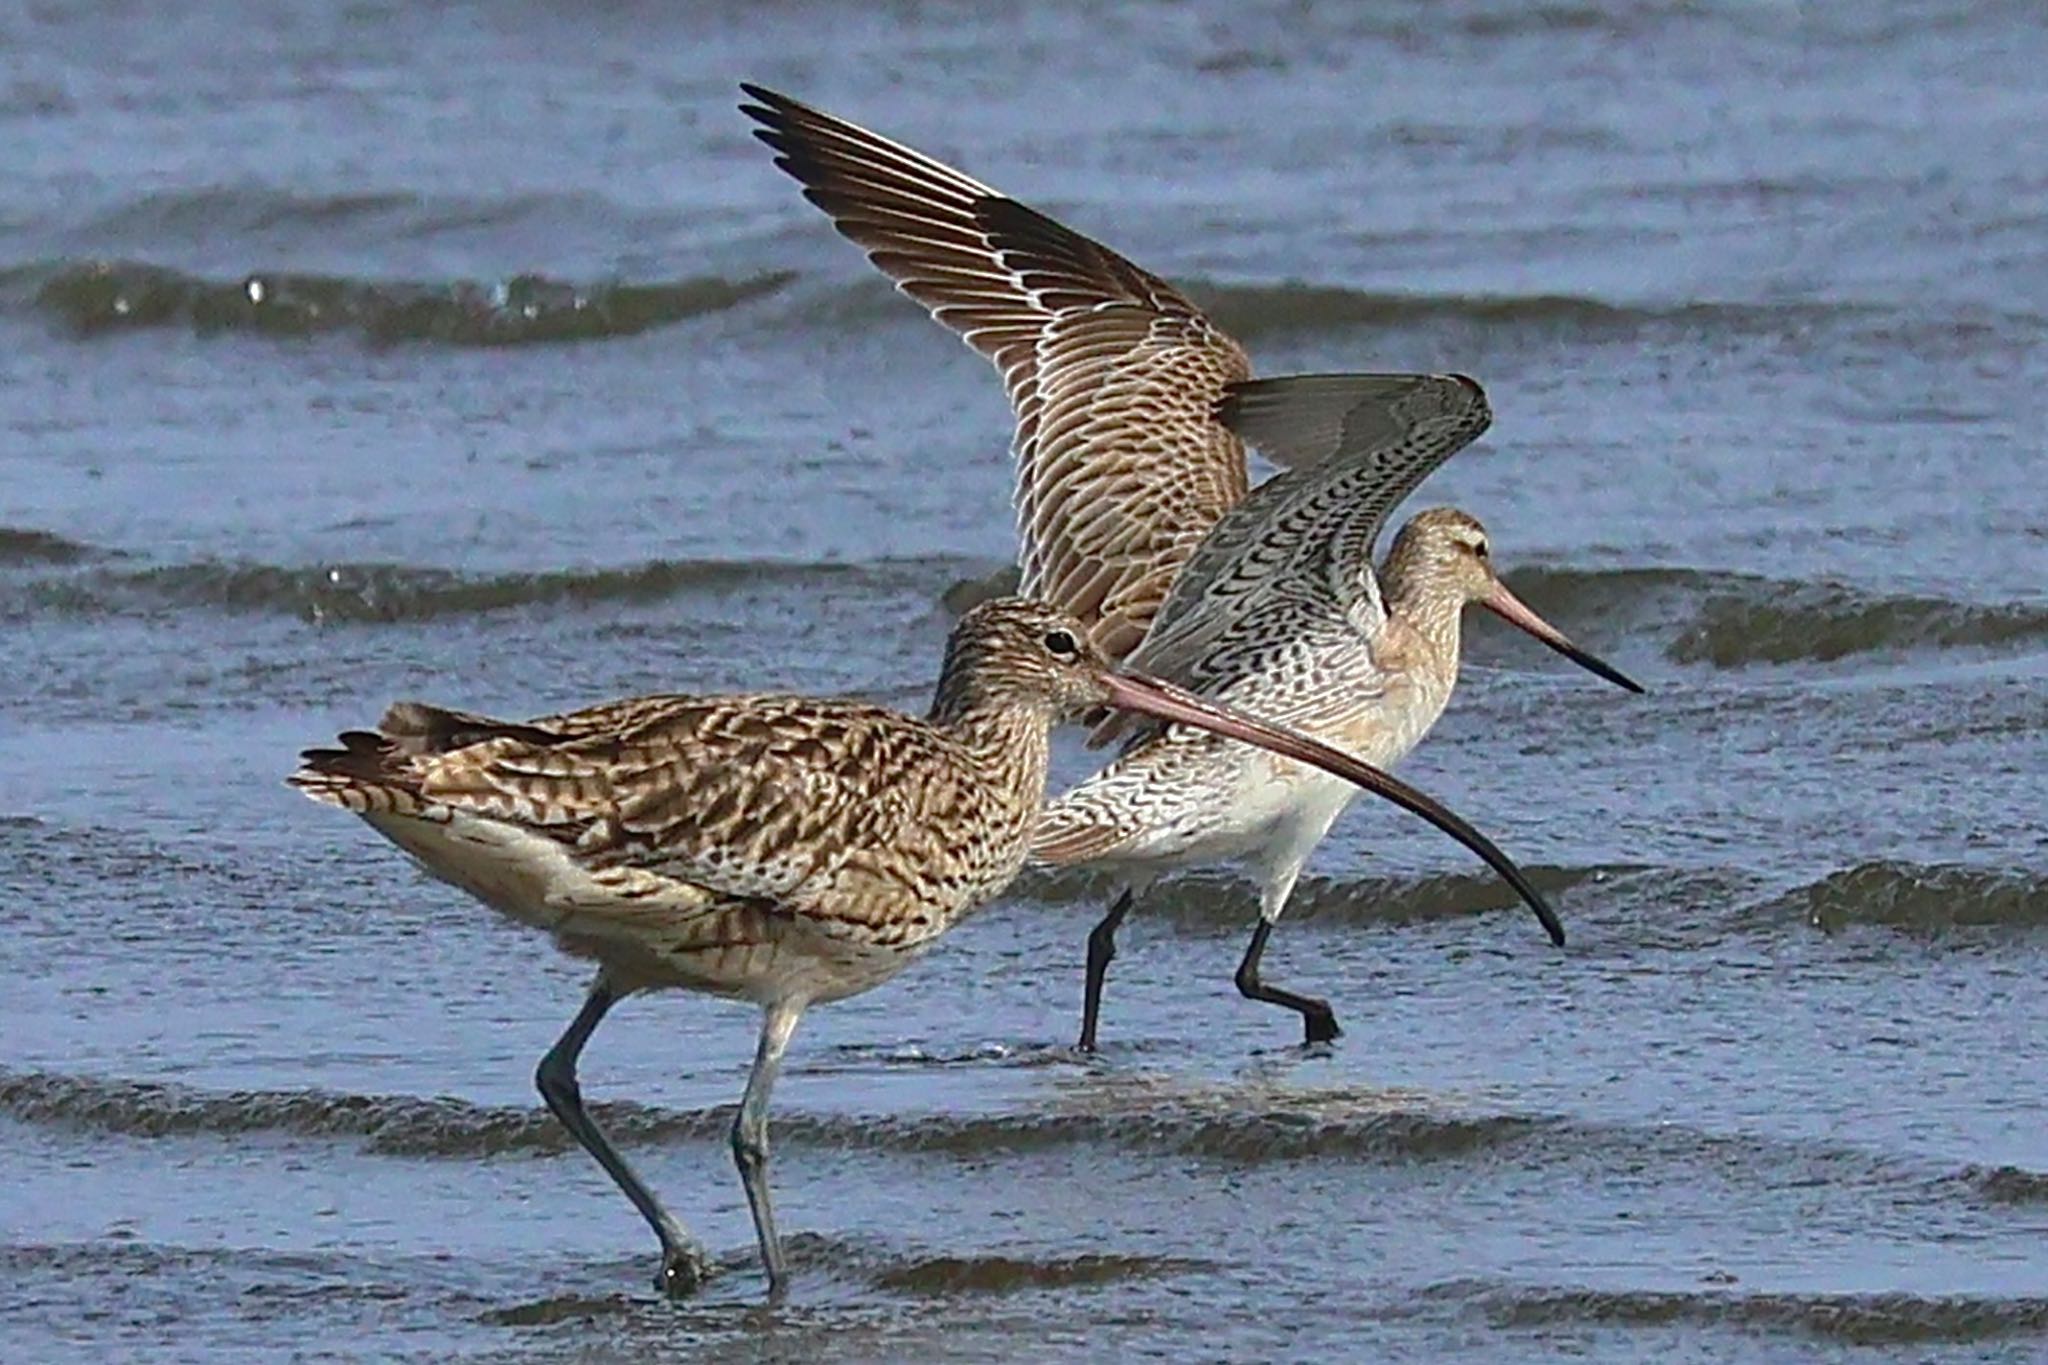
(1318, 1022)
(1101, 950)
(684, 1265)
(750, 1136)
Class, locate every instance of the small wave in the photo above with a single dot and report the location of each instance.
(862, 1261)
(397, 1125)
(964, 594)
(103, 296)
(1920, 898)
(1724, 619)
(392, 593)
(213, 212)
(993, 1274)
(279, 223)
(1251, 309)
(1622, 599)
(25, 545)
(1513, 21)
(1855, 1319)
(2008, 1184)
(582, 1309)
(1226, 1126)
(116, 1276)
(1767, 622)
(1213, 899)
(1107, 1118)
(1729, 620)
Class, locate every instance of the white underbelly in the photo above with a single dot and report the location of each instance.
(1275, 805)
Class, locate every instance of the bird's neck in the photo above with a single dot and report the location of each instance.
(1423, 602)
(1009, 742)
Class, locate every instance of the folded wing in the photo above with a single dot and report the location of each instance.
(762, 798)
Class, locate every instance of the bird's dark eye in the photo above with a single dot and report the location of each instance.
(1062, 643)
(1479, 549)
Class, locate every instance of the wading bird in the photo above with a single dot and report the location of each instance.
(776, 849)
(1133, 411)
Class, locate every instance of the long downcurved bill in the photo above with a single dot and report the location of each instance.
(1515, 611)
(1135, 692)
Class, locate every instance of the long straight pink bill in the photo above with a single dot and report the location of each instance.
(1152, 697)
(1515, 611)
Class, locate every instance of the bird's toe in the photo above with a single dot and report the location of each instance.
(684, 1270)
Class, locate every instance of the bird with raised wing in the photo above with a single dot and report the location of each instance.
(1133, 412)
(780, 850)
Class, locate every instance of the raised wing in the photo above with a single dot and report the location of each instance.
(1114, 376)
(1358, 445)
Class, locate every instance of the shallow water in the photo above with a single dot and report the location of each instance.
(482, 356)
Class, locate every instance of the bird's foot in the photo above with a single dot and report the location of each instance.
(1320, 1028)
(1087, 1054)
(684, 1269)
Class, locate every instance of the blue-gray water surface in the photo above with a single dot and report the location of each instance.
(478, 354)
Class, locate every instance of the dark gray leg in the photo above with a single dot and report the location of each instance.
(750, 1137)
(1318, 1023)
(1101, 952)
(684, 1265)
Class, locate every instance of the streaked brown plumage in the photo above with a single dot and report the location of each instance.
(777, 849)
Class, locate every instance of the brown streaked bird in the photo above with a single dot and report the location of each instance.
(1133, 412)
(781, 850)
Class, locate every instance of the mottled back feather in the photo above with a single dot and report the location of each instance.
(836, 817)
(771, 798)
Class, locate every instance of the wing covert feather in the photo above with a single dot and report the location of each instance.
(758, 797)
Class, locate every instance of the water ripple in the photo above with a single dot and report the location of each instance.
(98, 297)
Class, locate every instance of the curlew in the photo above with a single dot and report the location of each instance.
(780, 850)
